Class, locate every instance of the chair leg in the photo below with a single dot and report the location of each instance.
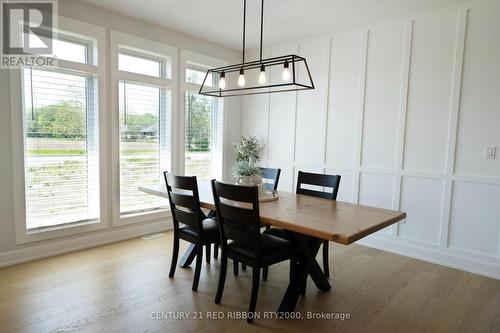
(265, 271)
(243, 267)
(216, 250)
(255, 292)
(292, 269)
(175, 254)
(222, 278)
(235, 267)
(326, 267)
(197, 270)
(207, 249)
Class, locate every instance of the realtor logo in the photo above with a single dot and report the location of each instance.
(27, 32)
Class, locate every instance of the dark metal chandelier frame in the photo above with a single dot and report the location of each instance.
(287, 61)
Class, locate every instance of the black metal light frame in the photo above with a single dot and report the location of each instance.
(292, 60)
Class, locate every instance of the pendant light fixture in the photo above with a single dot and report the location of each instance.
(264, 76)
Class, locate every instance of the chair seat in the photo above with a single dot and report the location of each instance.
(273, 249)
(210, 231)
(278, 232)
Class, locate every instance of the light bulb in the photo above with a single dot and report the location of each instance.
(241, 78)
(262, 75)
(286, 72)
(222, 81)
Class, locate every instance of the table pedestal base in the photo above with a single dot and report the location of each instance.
(306, 265)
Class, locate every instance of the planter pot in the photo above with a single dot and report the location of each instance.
(253, 180)
(256, 179)
(245, 181)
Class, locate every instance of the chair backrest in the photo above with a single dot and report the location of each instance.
(330, 181)
(273, 175)
(184, 201)
(237, 210)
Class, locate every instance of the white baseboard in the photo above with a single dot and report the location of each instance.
(81, 242)
(488, 268)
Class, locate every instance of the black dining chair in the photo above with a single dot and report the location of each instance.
(271, 178)
(237, 210)
(190, 223)
(315, 179)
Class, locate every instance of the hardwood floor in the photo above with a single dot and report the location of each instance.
(119, 287)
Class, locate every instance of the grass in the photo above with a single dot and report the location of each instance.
(56, 152)
(82, 151)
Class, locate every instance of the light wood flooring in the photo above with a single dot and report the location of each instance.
(118, 287)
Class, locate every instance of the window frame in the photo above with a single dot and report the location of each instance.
(167, 55)
(95, 38)
(189, 59)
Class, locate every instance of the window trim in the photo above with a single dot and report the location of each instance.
(189, 59)
(97, 36)
(129, 44)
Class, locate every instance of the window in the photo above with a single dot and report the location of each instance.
(61, 142)
(203, 128)
(70, 51)
(197, 77)
(144, 106)
(144, 147)
(139, 65)
(61, 155)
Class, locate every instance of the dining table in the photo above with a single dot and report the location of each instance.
(309, 221)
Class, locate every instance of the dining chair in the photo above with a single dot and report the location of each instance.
(190, 223)
(272, 178)
(238, 215)
(320, 180)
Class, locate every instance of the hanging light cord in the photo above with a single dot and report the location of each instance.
(244, 23)
(261, 27)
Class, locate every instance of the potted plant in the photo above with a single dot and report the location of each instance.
(246, 170)
(247, 173)
(249, 149)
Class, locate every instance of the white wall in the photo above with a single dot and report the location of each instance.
(403, 110)
(79, 10)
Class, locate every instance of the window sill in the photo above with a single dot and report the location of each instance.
(150, 216)
(28, 236)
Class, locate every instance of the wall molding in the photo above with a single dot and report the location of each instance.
(440, 181)
(489, 268)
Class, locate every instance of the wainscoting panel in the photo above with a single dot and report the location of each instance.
(411, 105)
(429, 95)
(311, 104)
(256, 123)
(377, 190)
(422, 200)
(343, 111)
(282, 116)
(480, 100)
(383, 95)
(475, 226)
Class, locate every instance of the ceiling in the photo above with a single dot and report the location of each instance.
(220, 21)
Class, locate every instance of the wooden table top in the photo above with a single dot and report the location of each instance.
(331, 220)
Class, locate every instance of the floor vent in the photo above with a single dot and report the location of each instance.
(153, 236)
